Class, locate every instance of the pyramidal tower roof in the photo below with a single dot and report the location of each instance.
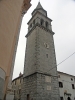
(39, 6)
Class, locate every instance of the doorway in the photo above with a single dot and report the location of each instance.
(28, 97)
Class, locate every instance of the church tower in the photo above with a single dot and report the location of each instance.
(40, 70)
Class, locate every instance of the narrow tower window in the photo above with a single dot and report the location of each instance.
(47, 55)
(46, 24)
(72, 86)
(34, 22)
(42, 22)
(28, 97)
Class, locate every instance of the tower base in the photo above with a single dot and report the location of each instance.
(39, 86)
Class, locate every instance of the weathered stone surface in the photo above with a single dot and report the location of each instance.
(36, 86)
(40, 70)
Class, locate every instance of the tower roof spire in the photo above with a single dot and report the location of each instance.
(40, 9)
(39, 5)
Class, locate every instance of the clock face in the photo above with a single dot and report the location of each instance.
(46, 45)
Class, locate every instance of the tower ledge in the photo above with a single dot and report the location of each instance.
(50, 31)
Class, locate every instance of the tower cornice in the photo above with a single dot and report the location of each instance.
(47, 30)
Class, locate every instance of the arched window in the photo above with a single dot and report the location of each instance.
(41, 21)
(46, 24)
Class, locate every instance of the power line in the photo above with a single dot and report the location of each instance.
(62, 61)
(66, 59)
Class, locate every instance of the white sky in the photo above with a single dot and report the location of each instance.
(62, 12)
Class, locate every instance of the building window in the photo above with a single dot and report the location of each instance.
(19, 91)
(15, 82)
(28, 97)
(46, 24)
(34, 22)
(71, 79)
(47, 55)
(61, 84)
(61, 98)
(41, 21)
(72, 86)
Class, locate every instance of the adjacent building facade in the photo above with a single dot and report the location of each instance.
(11, 13)
(66, 86)
(17, 87)
(40, 80)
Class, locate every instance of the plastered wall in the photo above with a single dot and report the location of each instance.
(10, 15)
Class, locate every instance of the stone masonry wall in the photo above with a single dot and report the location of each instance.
(29, 87)
(36, 59)
(40, 87)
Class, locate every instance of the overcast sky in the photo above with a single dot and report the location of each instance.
(62, 12)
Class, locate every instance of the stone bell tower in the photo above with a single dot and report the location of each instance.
(40, 71)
